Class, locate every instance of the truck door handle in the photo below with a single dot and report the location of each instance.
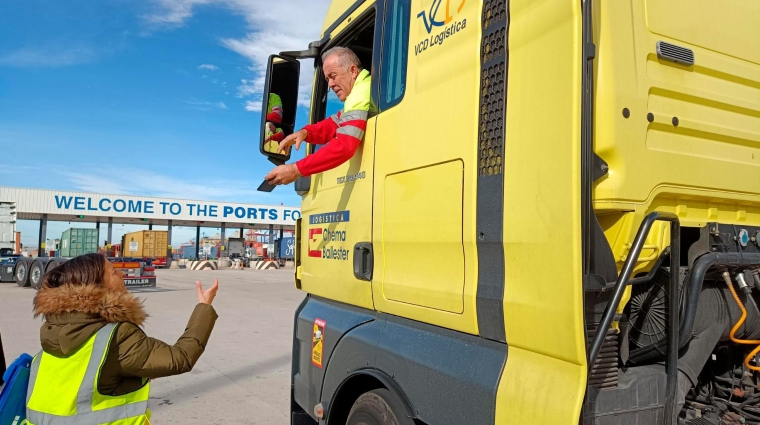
(363, 261)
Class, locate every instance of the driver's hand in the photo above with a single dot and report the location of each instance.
(283, 174)
(294, 139)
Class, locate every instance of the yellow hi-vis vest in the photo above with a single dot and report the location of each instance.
(64, 390)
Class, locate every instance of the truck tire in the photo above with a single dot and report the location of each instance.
(52, 264)
(36, 271)
(21, 273)
(378, 407)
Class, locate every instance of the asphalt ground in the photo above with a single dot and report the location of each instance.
(242, 378)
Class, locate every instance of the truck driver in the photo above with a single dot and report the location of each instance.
(342, 133)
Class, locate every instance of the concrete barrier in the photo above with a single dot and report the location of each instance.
(203, 265)
(267, 265)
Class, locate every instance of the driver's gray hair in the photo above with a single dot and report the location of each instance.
(346, 57)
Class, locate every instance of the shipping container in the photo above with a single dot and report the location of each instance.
(7, 228)
(287, 248)
(76, 242)
(144, 244)
(185, 252)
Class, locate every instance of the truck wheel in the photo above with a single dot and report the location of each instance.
(378, 407)
(51, 265)
(35, 274)
(22, 273)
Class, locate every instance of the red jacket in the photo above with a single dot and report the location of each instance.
(344, 133)
(341, 133)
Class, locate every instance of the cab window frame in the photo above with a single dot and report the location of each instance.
(402, 49)
(320, 91)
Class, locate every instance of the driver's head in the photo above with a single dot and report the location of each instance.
(341, 67)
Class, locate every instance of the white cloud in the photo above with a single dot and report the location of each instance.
(252, 106)
(250, 87)
(214, 81)
(173, 12)
(206, 106)
(208, 66)
(148, 183)
(48, 57)
(271, 32)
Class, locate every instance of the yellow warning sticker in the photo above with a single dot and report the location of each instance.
(317, 342)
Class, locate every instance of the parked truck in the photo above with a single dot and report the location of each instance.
(236, 250)
(27, 271)
(553, 216)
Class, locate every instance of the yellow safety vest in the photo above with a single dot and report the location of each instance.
(64, 390)
(275, 104)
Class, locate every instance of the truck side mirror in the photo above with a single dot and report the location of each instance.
(279, 105)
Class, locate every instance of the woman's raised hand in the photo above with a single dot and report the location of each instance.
(207, 296)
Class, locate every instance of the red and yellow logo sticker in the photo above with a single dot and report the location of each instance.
(315, 238)
(317, 342)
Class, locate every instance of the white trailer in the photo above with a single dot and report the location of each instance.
(7, 229)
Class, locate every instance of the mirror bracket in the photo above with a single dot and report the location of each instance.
(276, 161)
(311, 52)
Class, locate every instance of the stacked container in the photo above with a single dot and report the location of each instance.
(76, 242)
(144, 244)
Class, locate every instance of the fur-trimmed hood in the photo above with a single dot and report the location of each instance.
(73, 313)
(111, 305)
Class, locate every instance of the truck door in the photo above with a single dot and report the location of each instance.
(426, 164)
(337, 210)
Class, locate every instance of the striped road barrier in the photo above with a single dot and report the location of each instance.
(267, 265)
(203, 265)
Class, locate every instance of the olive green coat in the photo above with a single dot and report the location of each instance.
(75, 313)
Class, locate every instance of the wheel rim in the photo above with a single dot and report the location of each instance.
(21, 272)
(36, 274)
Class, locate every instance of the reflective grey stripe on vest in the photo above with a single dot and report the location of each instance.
(87, 389)
(353, 115)
(335, 118)
(33, 376)
(85, 415)
(351, 130)
(97, 417)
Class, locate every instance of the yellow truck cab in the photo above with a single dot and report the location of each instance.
(553, 217)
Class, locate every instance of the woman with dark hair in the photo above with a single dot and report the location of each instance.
(96, 362)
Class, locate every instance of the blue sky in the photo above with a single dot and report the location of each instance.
(154, 97)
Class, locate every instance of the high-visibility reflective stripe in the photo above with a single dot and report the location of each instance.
(84, 395)
(353, 115)
(352, 131)
(33, 376)
(90, 418)
(335, 118)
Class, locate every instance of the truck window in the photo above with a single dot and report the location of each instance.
(394, 54)
(333, 105)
